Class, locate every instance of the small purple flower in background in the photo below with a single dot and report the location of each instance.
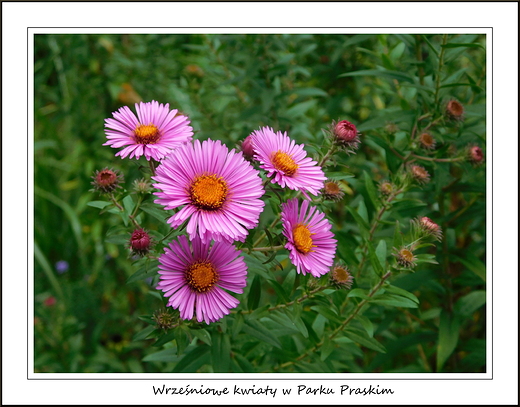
(153, 133)
(61, 266)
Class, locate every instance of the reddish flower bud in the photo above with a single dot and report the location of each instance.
(455, 110)
(345, 134)
(386, 188)
(106, 180)
(140, 242)
(247, 148)
(475, 155)
(426, 226)
(49, 301)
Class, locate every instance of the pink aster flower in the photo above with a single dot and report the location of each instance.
(196, 276)
(153, 133)
(219, 191)
(310, 241)
(287, 161)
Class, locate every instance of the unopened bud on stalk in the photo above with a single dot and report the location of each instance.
(386, 188)
(345, 134)
(247, 148)
(426, 226)
(106, 180)
(475, 155)
(142, 186)
(164, 319)
(140, 242)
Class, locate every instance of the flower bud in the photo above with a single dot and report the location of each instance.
(419, 174)
(140, 242)
(405, 257)
(106, 180)
(247, 148)
(164, 319)
(345, 134)
(332, 191)
(341, 277)
(455, 110)
(427, 141)
(475, 155)
(386, 188)
(427, 227)
(391, 128)
(142, 186)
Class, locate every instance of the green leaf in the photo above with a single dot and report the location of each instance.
(371, 190)
(362, 211)
(160, 215)
(288, 283)
(378, 268)
(279, 290)
(380, 73)
(244, 364)
(256, 266)
(471, 302)
(448, 338)
(167, 355)
(381, 252)
(255, 291)
(393, 300)
(144, 333)
(367, 324)
(298, 322)
(168, 337)
(327, 313)
(181, 338)
(327, 348)
(397, 52)
(426, 258)
(398, 236)
(403, 293)
(473, 263)
(359, 293)
(98, 204)
(361, 337)
(259, 331)
(363, 227)
(193, 360)
(456, 45)
(220, 352)
(310, 92)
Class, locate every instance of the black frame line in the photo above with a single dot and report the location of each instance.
(258, 378)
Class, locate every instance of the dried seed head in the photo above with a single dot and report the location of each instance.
(165, 319)
(386, 188)
(419, 174)
(341, 276)
(475, 155)
(427, 141)
(405, 257)
(106, 180)
(332, 191)
(455, 110)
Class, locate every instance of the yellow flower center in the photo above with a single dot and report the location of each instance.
(302, 238)
(284, 162)
(146, 134)
(201, 276)
(208, 192)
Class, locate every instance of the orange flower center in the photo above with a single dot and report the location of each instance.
(146, 134)
(302, 238)
(208, 192)
(332, 188)
(284, 162)
(201, 276)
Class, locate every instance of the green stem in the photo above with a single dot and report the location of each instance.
(263, 249)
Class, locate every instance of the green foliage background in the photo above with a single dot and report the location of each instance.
(230, 85)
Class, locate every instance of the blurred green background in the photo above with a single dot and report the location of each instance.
(229, 85)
